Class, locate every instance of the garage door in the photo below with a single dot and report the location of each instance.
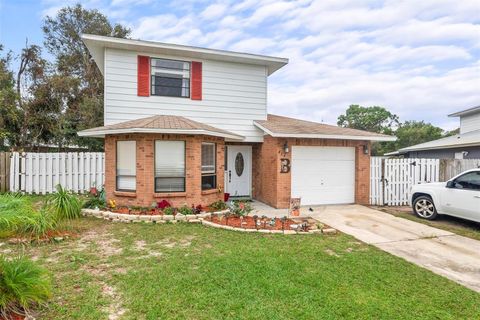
(323, 175)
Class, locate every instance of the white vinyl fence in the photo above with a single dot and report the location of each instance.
(391, 180)
(39, 173)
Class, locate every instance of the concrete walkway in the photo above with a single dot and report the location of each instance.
(442, 252)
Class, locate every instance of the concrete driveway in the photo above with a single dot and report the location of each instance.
(442, 252)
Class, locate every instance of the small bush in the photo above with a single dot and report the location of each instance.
(64, 204)
(23, 284)
(96, 199)
(185, 210)
(240, 208)
(169, 211)
(218, 205)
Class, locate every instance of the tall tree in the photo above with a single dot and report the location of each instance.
(73, 62)
(374, 119)
(411, 133)
(9, 116)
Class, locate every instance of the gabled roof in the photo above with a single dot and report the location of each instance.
(465, 112)
(160, 124)
(469, 139)
(97, 44)
(279, 126)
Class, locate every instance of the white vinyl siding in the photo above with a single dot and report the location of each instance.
(233, 94)
(126, 166)
(470, 123)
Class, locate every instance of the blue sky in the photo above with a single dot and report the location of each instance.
(420, 59)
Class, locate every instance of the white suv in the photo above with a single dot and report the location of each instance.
(459, 197)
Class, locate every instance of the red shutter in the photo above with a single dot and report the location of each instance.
(143, 81)
(196, 81)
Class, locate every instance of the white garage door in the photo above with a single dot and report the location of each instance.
(323, 175)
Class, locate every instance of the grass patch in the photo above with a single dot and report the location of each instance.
(459, 226)
(187, 271)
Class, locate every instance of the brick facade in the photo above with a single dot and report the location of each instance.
(145, 193)
(274, 188)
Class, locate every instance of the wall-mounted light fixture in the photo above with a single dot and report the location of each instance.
(365, 149)
(285, 147)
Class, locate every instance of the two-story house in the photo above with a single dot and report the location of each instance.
(465, 145)
(187, 124)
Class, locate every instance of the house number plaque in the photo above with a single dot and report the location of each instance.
(284, 165)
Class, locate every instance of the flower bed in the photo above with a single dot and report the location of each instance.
(221, 219)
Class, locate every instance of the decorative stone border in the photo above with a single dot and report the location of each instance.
(191, 218)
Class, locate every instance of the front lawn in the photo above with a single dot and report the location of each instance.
(187, 271)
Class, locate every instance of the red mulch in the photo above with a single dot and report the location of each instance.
(249, 223)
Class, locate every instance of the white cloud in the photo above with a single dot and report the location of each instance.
(420, 59)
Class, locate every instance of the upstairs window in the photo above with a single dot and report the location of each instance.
(170, 78)
(209, 174)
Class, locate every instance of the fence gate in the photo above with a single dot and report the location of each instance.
(39, 173)
(4, 171)
(391, 180)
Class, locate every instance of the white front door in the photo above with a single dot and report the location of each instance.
(323, 175)
(238, 171)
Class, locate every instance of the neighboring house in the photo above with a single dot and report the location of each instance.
(187, 124)
(465, 145)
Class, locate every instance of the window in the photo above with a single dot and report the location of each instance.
(469, 181)
(209, 175)
(126, 166)
(169, 166)
(170, 78)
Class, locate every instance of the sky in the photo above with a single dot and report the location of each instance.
(419, 59)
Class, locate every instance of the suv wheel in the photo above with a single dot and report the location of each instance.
(424, 207)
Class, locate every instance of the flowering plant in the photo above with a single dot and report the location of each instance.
(240, 208)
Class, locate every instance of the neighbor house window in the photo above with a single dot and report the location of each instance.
(209, 175)
(170, 78)
(126, 166)
(169, 166)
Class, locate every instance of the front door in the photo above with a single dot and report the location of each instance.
(238, 171)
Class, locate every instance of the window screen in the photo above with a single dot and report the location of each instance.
(126, 165)
(170, 78)
(209, 176)
(169, 166)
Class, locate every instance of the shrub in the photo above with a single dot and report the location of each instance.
(185, 210)
(23, 284)
(169, 211)
(64, 204)
(163, 204)
(96, 199)
(240, 208)
(218, 205)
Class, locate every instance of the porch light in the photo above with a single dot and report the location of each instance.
(365, 149)
(285, 147)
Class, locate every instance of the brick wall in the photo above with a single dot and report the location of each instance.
(145, 193)
(274, 188)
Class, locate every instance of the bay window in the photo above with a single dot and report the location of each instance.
(209, 174)
(126, 163)
(169, 166)
(170, 78)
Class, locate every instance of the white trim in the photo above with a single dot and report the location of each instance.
(323, 136)
(91, 41)
(102, 133)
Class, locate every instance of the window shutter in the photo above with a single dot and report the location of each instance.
(196, 86)
(143, 81)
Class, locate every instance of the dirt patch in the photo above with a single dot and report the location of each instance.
(115, 309)
(140, 245)
(171, 243)
(332, 253)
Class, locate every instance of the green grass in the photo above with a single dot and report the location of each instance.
(456, 225)
(186, 271)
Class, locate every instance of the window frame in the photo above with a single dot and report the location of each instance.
(123, 175)
(209, 173)
(152, 93)
(184, 167)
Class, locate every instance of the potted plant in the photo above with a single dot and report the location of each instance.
(23, 285)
